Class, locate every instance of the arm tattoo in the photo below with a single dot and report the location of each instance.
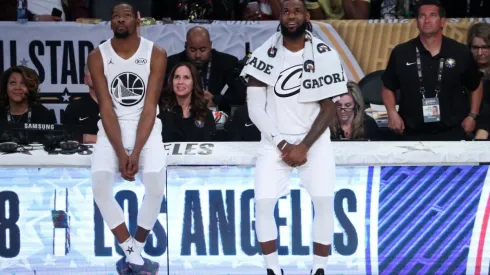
(321, 123)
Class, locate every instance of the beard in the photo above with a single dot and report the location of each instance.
(300, 31)
(123, 34)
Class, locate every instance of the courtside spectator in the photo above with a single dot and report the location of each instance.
(352, 122)
(183, 108)
(19, 101)
(82, 114)
(432, 70)
(218, 72)
(479, 43)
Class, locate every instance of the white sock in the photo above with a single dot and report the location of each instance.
(272, 262)
(138, 247)
(319, 262)
(129, 250)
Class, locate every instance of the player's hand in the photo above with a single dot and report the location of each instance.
(395, 123)
(123, 164)
(209, 97)
(468, 124)
(285, 152)
(297, 155)
(133, 165)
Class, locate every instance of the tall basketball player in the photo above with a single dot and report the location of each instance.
(293, 135)
(128, 72)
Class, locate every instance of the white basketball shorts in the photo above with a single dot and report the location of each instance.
(152, 157)
(317, 175)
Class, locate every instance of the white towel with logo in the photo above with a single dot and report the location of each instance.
(323, 75)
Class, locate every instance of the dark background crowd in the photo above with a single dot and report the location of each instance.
(204, 99)
(240, 9)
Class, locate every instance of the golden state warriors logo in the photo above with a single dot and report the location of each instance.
(322, 48)
(128, 89)
(309, 66)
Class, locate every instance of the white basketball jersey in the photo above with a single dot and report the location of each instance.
(290, 116)
(127, 79)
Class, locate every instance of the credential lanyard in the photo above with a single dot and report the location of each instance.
(11, 119)
(439, 74)
(205, 82)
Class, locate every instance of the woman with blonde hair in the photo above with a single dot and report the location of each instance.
(351, 122)
(479, 42)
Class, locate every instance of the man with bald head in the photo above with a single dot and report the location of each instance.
(219, 75)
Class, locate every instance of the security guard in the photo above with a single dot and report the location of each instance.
(432, 72)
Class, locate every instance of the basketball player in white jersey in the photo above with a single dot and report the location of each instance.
(293, 135)
(128, 72)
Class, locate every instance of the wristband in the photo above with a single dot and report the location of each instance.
(284, 146)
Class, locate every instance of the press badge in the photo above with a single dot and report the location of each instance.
(431, 110)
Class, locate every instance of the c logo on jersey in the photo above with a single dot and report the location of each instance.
(322, 48)
(309, 66)
(128, 89)
(289, 82)
(140, 61)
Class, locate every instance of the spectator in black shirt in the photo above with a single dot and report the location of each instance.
(479, 43)
(19, 101)
(82, 114)
(447, 73)
(352, 122)
(218, 73)
(184, 114)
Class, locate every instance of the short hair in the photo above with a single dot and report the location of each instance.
(133, 10)
(198, 29)
(479, 30)
(442, 10)
(302, 1)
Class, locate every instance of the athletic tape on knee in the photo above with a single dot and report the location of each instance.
(265, 224)
(102, 183)
(323, 221)
(154, 183)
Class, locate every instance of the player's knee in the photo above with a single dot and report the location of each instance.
(264, 208)
(323, 206)
(154, 183)
(102, 182)
(265, 225)
(323, 220)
